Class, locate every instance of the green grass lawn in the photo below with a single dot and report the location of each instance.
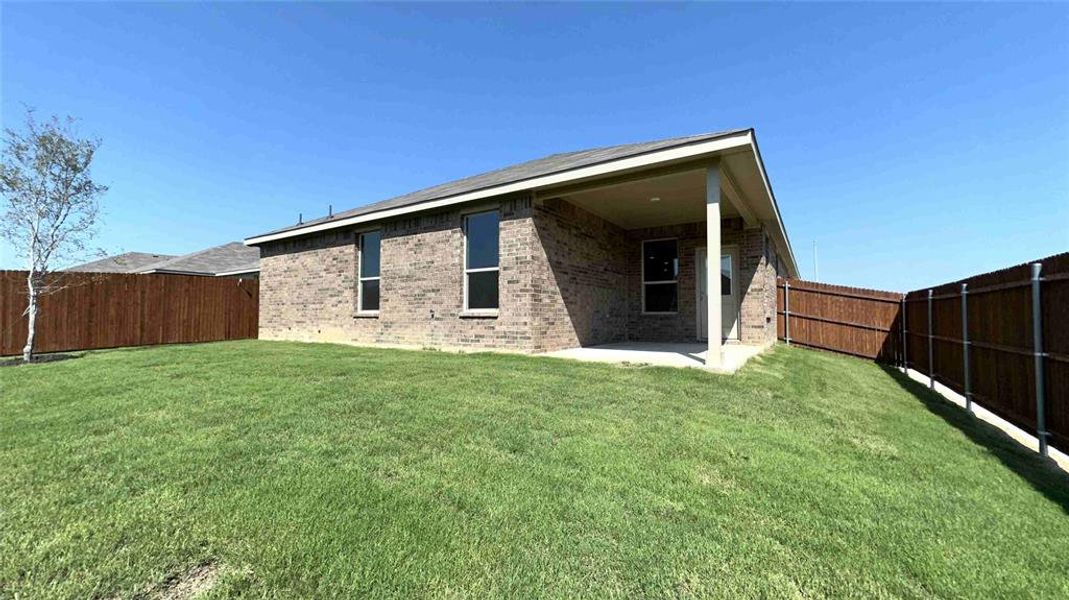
(304, 471)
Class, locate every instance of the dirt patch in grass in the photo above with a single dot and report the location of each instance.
(188, 585)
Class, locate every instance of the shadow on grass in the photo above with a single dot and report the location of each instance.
(1042, 474)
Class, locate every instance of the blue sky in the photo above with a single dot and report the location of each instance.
(914, 143)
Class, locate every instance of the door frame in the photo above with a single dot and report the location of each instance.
(733, 250)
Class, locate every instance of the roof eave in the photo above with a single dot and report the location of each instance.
(237, 272)
(781, 229)
(707, 148)
(175, 272)
(710, 148)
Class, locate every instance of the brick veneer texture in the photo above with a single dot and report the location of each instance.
(567, 278)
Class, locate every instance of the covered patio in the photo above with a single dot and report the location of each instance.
(633, 257)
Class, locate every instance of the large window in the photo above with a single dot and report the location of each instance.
(481, 261)
(370, 251)
(660, 276)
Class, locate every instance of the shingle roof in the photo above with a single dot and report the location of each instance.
(554, 163)
(127, 262)
(228, 258)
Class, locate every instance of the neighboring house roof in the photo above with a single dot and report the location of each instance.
(553, 170)
(127, 262)
(228, 259)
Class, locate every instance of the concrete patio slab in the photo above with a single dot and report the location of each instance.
(665, 355)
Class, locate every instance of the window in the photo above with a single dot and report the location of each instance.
(370, 250)
(725, 275)
(481, 261)
(660, 276)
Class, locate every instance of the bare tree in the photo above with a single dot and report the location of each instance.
(51, 202)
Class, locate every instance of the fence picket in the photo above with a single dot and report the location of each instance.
(107, 310)
(1014, 337)
(965, 346)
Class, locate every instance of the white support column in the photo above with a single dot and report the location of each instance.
(712, 264)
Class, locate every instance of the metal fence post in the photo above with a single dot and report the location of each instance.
(787, 311)
(1037, 350)
(905, 341)
(931, 360)
(965, 345)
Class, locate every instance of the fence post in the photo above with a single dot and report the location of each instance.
(905, 341)
(965, 345)
(931, 361)
(787, 311)
(1037, 350)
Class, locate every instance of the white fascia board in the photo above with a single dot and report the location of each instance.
(173, 272)
(671, 154)
(238, 272)
(780, 230)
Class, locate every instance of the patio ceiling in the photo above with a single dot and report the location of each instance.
(668, 195)
(624, 195)
(665, 200)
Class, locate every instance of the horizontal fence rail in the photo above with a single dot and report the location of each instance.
(999, 338)
(109, 310)
(842, 319)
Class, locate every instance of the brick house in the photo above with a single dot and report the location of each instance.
(575, 249)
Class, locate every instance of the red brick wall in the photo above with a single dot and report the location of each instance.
(567, 278)
(581, 275)
(311, 285)
(757, 284)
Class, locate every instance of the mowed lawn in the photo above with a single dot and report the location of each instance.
(303, 470)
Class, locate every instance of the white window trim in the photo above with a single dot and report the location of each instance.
(480, 312)
(642, 263)
(361, 279)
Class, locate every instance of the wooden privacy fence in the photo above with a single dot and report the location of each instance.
(1001, 338)
(843, 319)
(109, 310)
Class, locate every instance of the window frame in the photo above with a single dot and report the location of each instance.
(644, 283)
(360, 279)
(466, 311)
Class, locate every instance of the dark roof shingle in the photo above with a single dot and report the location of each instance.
(127, 262)
(228, 258)
(548, 165)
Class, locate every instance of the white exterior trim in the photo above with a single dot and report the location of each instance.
(360, 279)
(731, 250)
(480, 312)
(176, 272)
(779, 218)
(738, 199)
(642, 268)
(690, 151)
(238, 272)
(713, 357)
